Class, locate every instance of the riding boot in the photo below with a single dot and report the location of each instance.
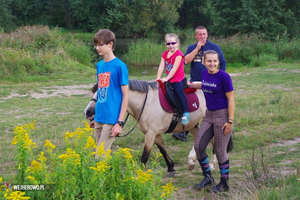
(208, 179)
(223, 185)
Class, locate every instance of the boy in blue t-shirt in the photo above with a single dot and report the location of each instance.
(112, 91)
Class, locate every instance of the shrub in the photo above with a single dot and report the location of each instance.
(40, 51)
(76, 174)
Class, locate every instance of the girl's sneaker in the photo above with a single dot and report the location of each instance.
(185, 118)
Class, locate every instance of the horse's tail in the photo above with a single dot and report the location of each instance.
(230, 144)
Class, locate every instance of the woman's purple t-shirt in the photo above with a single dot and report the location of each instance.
(215, 86)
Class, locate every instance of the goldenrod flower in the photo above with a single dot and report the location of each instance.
(87, 127)
(168, 189)
(107, 154)
(28, 142)
(49, 144)
(41, 157)
(17, 195)
(36, 166)
(14, 141)
(31, 178)
(144, 176)
(100, 151)
(70, 154)
(1, 179)
(90, 143)
(70, 135)
(101, 166)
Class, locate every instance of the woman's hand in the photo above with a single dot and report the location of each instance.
(227, 126)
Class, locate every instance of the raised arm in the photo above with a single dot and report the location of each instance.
(174, 69)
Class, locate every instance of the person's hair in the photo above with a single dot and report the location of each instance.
(210, 52)
(200, 28)
(173, 35)
(106, 36)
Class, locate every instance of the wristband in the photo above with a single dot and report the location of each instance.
(229, 122)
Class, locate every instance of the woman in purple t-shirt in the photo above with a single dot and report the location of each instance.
(172, 61)
(218, 121)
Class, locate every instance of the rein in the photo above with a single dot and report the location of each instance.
(137, 120)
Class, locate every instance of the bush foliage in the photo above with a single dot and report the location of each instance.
(37, 50)
(75, 173)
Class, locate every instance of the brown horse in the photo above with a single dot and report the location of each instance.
(154, 120)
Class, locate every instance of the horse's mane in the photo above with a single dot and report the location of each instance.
(142, 86)
(136, 85)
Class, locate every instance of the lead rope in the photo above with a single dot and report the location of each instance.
(137, 120)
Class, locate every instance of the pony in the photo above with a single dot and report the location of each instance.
(153, 120)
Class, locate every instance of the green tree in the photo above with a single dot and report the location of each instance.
(194, 13)
(270, 18)
(6, 17)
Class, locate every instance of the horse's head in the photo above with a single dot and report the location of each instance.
(89, 111)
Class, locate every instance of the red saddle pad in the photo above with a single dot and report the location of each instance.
(192, 99)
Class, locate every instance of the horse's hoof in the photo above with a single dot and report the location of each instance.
(171, 174)
(191, 167)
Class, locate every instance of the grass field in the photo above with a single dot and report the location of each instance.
(264, 161)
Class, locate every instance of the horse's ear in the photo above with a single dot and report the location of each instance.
(94, 88)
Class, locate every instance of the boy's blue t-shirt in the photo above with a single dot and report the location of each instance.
(215, 86)
(110, 77)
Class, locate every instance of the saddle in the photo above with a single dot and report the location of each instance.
(170, 104)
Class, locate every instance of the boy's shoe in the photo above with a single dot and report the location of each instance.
(185, 118)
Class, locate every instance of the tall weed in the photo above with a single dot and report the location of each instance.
(75, 173)
(36, 50)
(144, 52)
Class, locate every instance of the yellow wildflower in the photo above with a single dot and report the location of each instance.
(49, 144)
(168, 189)
(28, 142)
(14, 141)
(144, 176)
(17, 195)
(1, 180)
(100, 150)
(101, 166)
(30, 125)
(87, 128)
(90, 143)
(107, 155)
(70, 135)
(36, 166)
(70, 154)
(31, 178)
(41, 157)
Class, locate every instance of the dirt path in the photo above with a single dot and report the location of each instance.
(52, 91)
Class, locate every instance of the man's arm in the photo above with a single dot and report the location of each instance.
(189, 57)
(117, 129)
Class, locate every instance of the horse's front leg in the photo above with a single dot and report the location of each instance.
(162, 148)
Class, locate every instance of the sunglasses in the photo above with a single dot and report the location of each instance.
(170, 43)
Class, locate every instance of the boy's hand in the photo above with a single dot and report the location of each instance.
(116, 130)
(92, 124)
